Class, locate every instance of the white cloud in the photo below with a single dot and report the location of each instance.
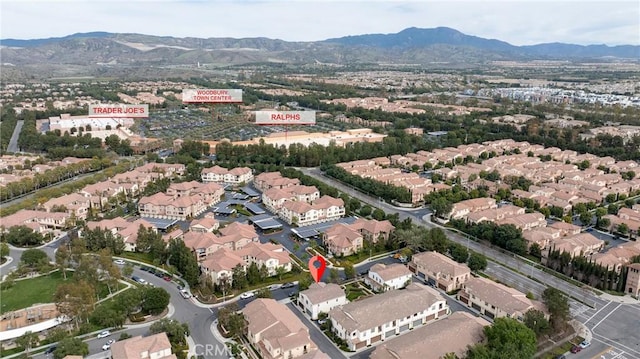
(515, 21)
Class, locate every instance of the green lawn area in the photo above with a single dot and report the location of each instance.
(354, 292)
(25, 293)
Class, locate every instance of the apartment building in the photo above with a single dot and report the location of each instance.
(321, 298)
(275, 331)
(126, 230)
(275, 197)
(496, 300)
(374, 319)
(452, 334)
(342, 240)
(74, 204)
(324, 209)
(182, 200)
(382, 277)
(439, 270)
(156, 346)
(233, 176)
(220, 263)
(267, 180)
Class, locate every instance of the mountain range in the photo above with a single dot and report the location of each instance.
(412, 45)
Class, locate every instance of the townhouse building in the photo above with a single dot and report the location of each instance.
(382, 277)
(374, 319)
(275, 331)
(496, 300)
(321, 297)
(453, 334)
(74, 204)
(39, 221)
(439, 270)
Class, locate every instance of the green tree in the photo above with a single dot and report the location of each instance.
(22, 236)
(349, 271)
(535, 250)
(441, 207)
(458, 252)
(536, 321)
(477, 262)
(4, 250)
(71, 346)
(264, 293)
(34, 258)
(366, 210)
(507, 338)
(175, 330)
(558, 306)
(155, 300)
(232, 320)
(27, 341)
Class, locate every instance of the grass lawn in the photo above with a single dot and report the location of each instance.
(354, 292)
(25, 293)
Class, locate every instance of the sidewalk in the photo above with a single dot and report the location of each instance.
(624, 299)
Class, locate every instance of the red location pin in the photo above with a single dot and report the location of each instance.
(317, 266)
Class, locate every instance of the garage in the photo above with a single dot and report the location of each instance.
(376, 339)
(417, 323)
(404, 328)
(390, 334)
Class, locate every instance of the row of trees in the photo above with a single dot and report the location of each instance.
(51, 176)
(420, 239)
(587, 271)
(389, 193)
(505, 236)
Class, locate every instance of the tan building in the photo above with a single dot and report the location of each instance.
(155, 346)
(342, 240)
(275, 331)
(632, 287)
(439, 270)
(449, 335)
(496, 300)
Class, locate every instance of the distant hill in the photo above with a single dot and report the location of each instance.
(416, 38)
(441, 45)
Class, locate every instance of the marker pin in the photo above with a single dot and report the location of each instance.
(317, 266)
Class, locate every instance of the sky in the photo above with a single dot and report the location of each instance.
(519, 22)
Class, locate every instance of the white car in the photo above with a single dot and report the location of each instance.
(247, 295)
(119, 262)
(107, 345)
(275, 287)
(185, 294)
(104, 334)
(584, 344)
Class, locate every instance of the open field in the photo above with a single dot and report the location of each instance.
(27, 292)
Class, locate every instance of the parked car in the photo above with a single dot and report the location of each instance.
(185, 294)
(159, 274)
(247, 295)
(275, 287)
(288, 285)
(104, 334)
(167, 278)
(145, 269)
(107, 345)
(584, 344)
(50, 349)
(575, 349)
(119, 262)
